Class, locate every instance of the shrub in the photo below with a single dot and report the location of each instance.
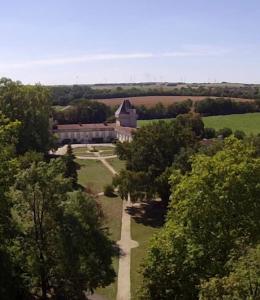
(209, 133)
(239, 134)
(109, 190)
(224, 132)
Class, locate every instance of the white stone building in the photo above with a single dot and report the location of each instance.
(122, 130)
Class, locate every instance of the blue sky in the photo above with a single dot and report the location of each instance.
(94, 41)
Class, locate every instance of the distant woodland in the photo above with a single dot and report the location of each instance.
(64, 95)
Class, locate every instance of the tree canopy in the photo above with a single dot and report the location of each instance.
(153, 150)
(31, 105)
(213, 216)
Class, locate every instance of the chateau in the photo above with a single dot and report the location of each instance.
(122, 130)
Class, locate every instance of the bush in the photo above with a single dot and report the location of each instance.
(209, 133)
(224, 132)
(109, 190)
(239, 134)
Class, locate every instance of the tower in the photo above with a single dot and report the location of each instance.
(126, 115)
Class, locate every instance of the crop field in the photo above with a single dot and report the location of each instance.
(249, 123)
(150, 101)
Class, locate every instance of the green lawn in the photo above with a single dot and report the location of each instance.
(142, 234)
(249, 123)
(112, 209)
(93, 175)
(104, 148)
(143, 227)
(116, 163)
(85, 151)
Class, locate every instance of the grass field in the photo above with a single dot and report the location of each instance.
(112, 209)
(249, 123)
(150, 101)
(93, 175)
(146, 221)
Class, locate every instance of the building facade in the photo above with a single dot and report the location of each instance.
(122, 130)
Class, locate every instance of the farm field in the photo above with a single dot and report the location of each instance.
(249, 123)
(150, 101)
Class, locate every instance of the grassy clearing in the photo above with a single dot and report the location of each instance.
(112, 209)
(249, 123)
(117, 163)
(145, 222)
(93, 175)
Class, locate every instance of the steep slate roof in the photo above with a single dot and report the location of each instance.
(124, 108)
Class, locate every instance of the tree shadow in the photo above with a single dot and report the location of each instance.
(151, 213)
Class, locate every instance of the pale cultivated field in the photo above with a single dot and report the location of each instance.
(150, 101)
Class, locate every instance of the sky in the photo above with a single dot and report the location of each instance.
(105, 41)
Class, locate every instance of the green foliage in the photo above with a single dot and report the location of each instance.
(160, 111)
(213, 214)
(239, 134)
(109, 190)
(224, 132)
(83, 111)
(209, 133)
(63, 95)
(70, 166)
(10, 283)
(222, 106)
(60, 247)
(152, 151)
(31, 106)
(243, 282)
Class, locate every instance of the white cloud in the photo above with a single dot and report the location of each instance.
(191, 51)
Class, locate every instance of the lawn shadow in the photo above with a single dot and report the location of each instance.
(151, 213)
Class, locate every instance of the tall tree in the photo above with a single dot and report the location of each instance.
(30, 105)
(214, 213)
(243, 282)
(70, 166)
(10, 285)
(61, 247)
(153, 151)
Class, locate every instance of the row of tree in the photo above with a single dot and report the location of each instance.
(83, 111)
(64, 95)
(53, 244)
(223, 106)
(161, 111)
(89, 111)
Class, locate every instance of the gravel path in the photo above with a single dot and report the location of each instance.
(125, 244)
